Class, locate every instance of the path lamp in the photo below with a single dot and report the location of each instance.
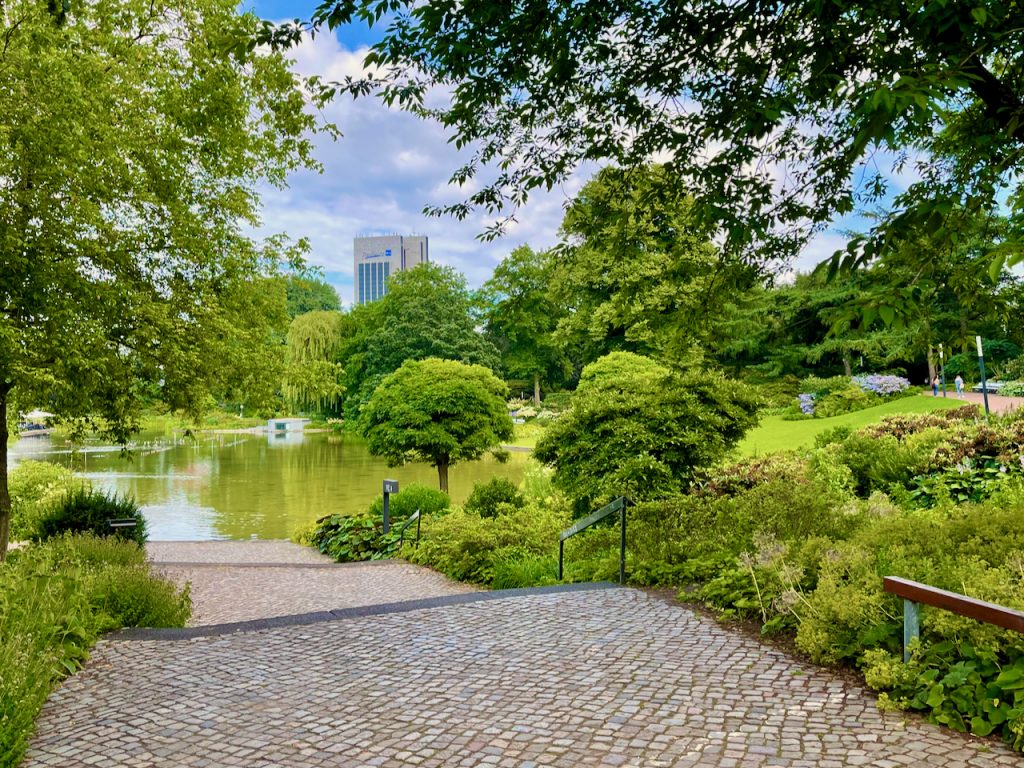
(981, 366)
(942, 369)
(390, 486)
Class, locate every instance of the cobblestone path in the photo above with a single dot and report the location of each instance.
(243, 580)
(609, 677)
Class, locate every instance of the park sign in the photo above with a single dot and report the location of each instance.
(390, 486)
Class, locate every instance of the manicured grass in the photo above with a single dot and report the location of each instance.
(775, 434)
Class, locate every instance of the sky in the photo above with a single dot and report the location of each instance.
(388, 165)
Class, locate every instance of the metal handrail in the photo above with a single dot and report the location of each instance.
(618, 505)
(915, 594)
(401, 530)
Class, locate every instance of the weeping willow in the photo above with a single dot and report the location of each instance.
(312, 378)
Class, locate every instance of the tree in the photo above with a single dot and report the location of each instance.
(438, 411)
(311, 294)
(520, 317)
(638, 273)
(313, 375)
(425, 313)
(764, 110)
(639, 429)
(133, 148)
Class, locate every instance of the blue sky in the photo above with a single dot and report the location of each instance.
(387, 166)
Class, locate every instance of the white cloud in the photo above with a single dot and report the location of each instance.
(379, 176)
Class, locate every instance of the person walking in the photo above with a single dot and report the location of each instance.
(935, 387)
(959, 382)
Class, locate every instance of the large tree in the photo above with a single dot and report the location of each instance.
(637, 271)
(777, 116)
(425, 313)
(312, 374)
(132, 146)
(520, 317)
(309, 293)
(438, 411)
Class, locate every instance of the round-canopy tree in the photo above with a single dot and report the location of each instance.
(134, 135)
(638, 429)
(438, 411)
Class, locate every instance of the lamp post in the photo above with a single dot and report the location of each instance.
(981, 366)
(942, 369)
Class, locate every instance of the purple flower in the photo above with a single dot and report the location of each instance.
(881, 384)
(806, 403)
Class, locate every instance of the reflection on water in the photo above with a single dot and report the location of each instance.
(239, 486)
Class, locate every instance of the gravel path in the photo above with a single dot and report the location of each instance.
(578, 678)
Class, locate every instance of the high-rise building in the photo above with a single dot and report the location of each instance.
(377, 258)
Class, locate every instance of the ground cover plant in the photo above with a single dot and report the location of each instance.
(56, 598)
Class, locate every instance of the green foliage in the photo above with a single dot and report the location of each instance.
(307, 293)
(638, 268)
(438, 411)
(312, 374)
(410, 498)
(87, 511)
(468, 547)
(486, 498)
(35, 486)
(55, 599)
(127, 269)
(638, 429)
(354, 538)
(426, 313)
(559, 85)
(519, 317)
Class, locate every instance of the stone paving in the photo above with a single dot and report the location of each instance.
(245, 580)
(600, 678)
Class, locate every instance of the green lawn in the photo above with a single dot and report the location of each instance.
(775, 434)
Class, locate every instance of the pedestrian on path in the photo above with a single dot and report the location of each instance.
(935, 387)
(959, 386)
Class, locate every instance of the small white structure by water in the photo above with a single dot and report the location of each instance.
(276, 426)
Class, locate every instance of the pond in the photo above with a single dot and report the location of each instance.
(241, 486)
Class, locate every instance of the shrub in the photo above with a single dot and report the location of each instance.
(87, 511)
(34, 487)
(839, 401)
(410, 498)
(55, 599)
(470, 548)
(485, 497)
(525, 571)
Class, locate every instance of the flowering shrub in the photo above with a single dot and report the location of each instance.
(806, 403)
(882, 384)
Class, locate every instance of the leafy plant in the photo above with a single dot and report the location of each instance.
(34, 487)
(411, 497)
(485, 498)
(351, 538)
(88, 511)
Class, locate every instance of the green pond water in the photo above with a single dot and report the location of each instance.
(241, 486)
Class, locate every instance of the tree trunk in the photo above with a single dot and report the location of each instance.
(536, 389)
(931, 365)
(847, 370)
(442, 475)
(5, 495)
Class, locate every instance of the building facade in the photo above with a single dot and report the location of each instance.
(377, 258)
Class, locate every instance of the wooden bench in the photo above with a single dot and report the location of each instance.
(915, 595)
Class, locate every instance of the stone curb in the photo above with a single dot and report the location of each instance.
(211, 564)
(382, 609)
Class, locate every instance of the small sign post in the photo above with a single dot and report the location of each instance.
(942, 369)
(390, 486)
(984, 383)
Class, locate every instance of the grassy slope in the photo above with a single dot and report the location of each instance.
(775, 434)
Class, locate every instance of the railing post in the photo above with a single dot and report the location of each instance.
(622, 544)
(419, 517)
(911, 626)
(561, 551)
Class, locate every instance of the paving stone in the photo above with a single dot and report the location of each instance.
(529, 680)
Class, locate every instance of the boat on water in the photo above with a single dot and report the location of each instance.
(34, 423)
